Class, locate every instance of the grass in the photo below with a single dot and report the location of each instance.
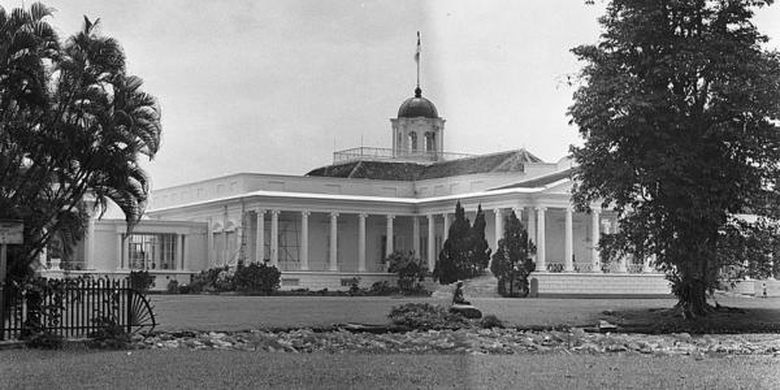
(213, 312)
(229, 369)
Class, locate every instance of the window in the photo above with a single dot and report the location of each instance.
(413, 142)
(430, 141)
(152, 251)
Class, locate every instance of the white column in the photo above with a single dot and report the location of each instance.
(416, 236)
(541, 259)
(225, 246)
(275, 238)
(89, 256)
(179, 252)
(304, 250)
(362, 242)
(210, 244)
(240, 237)
(595, 237)
(260, 239)
(623, 261)
(447, 222)
(334, 226)
(126, 250)
(568, 248)
(499, 225)
(532, 226)
(389, 240)
(120, 243)
(431, 242)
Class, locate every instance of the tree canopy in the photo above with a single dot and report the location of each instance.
(73, 125)
(465, 253)
(678, 105)
(512, 260)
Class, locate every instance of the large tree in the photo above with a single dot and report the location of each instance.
(512, 259)
(465, 253)
(73, 125)
(678, 106)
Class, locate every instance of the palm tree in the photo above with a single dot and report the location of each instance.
(73, 125)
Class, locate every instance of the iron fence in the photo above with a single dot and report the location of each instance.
(73, 308)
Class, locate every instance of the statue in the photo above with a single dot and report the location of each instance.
(457, 296)
(461, 306)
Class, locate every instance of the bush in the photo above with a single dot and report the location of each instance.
(383, 287)
(410, 270)
(173, 286)
(44, 340)
(141, 280)
(256, 277)
(491, 321)
(206, 280)
(110, 335)
(184, 289)
(425, 316)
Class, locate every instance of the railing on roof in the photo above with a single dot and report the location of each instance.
(385, 154)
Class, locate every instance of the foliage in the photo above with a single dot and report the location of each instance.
(480, 250)
(141, 280)
(465, 253)
(206, 280)
(491, 321)
(678, 108)
(512, 261)
(425, 316)
(382, 288)
(73, 125)
(256, 277)
(252, 278)
(410, 270)
(109, 335)
(44, 340)
(173, 287)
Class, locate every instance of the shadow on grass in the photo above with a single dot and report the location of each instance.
(725, 320)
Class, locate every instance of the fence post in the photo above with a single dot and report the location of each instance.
(128, 301)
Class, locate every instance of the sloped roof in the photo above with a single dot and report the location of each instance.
(510, 161)
(540, 181)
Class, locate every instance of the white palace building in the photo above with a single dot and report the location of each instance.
(339, 221)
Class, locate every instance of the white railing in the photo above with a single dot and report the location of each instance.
(382, 154)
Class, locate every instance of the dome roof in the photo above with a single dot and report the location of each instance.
(417, 106)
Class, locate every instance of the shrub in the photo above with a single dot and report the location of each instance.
(410, 270)
(256, 277)
(383, 287)
(425, 316)
(184, 289)
(141, 280)
(110, 335)
(173, 286)
(512, 262)
(44, 340)
(206, 280)
(491, 321)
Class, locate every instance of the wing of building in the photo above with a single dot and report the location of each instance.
(340, 221)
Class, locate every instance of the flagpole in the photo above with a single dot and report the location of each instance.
(417, 57)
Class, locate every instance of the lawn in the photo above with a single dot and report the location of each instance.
(216, 312)
(165, 369)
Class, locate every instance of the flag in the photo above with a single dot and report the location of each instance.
(417, 53)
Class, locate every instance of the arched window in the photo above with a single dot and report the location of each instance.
(413, 142)
(430, 141)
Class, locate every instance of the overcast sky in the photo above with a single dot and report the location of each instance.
(276, 86)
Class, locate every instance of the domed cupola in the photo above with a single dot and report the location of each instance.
(417, 107)
(418, 132)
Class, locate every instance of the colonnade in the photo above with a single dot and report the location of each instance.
(535, 224)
